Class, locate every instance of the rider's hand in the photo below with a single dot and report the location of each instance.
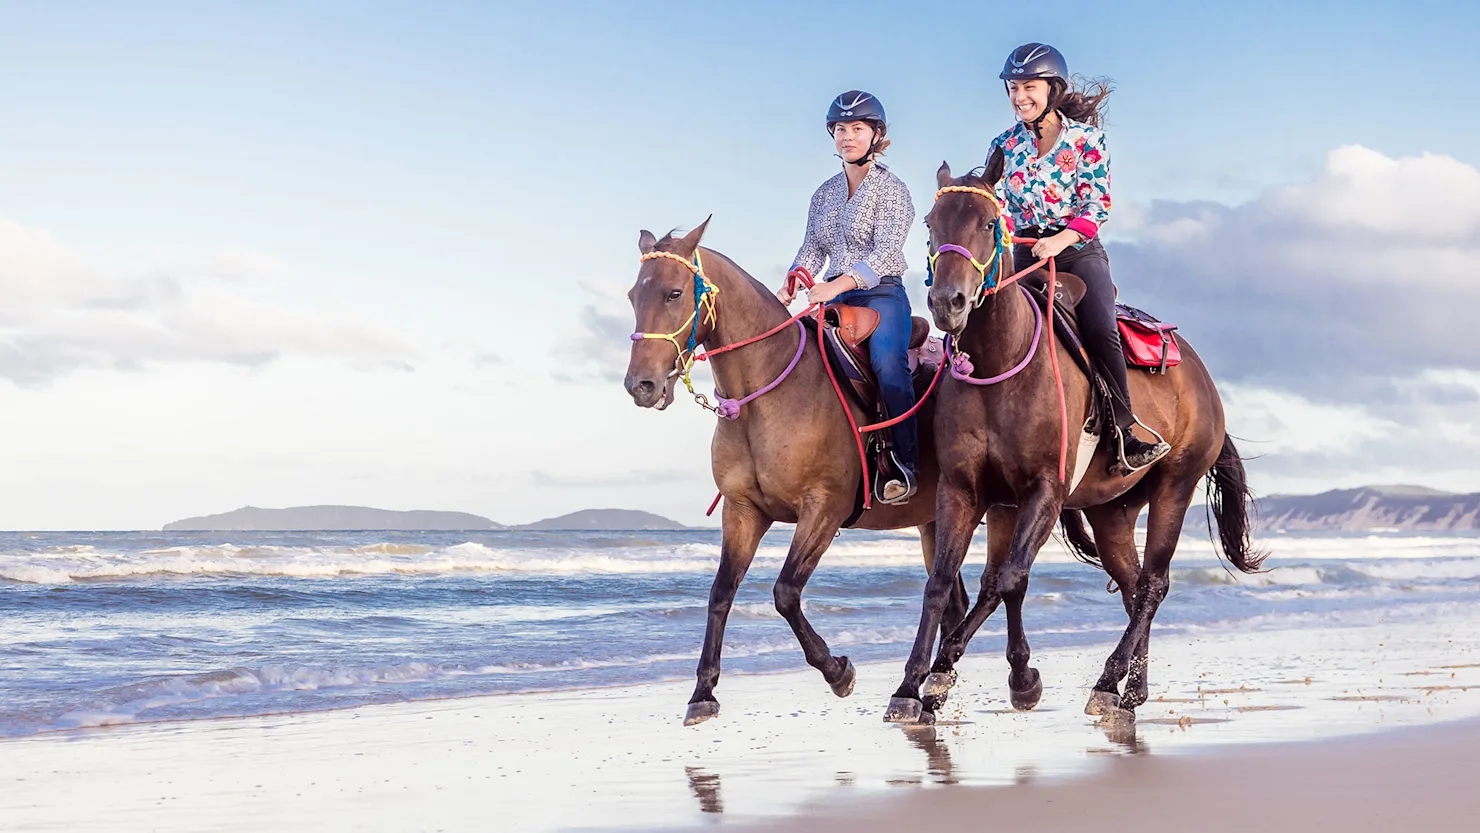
(828, 290)
(787, 293)
(1055, 245)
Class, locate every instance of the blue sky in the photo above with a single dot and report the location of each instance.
(358, 238)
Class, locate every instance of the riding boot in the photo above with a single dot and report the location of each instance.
(1136, 453)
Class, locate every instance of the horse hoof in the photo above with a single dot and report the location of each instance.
(904, 710)
(1119, 725)
(700, 712)
(1101, 703)
(844, 686)
(939, 684)
(1024, 699)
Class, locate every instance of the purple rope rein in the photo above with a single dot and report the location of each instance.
(961, 366)
(730, 408)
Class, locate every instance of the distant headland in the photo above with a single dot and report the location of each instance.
(1365, 509)
(345, 518)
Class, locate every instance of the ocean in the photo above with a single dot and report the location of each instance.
(101, 629)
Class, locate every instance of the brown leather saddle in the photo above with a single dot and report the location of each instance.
(846, 329)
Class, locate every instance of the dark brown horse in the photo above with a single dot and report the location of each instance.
(999, 451)
(789, 456)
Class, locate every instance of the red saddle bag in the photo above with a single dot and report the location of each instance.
(1147, 342)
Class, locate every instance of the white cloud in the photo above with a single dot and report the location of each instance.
(60, 313)
(1338, 316)
(1365, 273)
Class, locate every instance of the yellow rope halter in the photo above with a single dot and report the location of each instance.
(705, 295)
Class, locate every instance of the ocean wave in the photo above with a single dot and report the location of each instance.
(227, 560)
(63, 565)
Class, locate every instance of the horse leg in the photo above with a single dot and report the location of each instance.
(743, 525)
(1114, 526)
(1130, 658)
(956, 516)
(953, 643)
(813, 534)
(1038, 511)
(956, 606)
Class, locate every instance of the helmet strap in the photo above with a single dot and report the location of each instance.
(873, 148)
(1053, 101)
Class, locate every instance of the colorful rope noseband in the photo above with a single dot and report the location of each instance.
(705, 295)
(1001, 239)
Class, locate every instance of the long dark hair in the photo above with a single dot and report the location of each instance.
(1082, 99)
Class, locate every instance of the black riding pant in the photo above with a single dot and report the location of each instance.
(1096, 315)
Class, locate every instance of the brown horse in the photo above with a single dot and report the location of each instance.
(999, 452)
(788, 456)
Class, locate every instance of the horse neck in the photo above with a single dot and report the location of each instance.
(745, 309)
(999, 332)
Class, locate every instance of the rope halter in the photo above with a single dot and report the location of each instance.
(1001, 240)
(705, 294)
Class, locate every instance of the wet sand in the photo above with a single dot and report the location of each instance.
(784, 748)
(1411, 779)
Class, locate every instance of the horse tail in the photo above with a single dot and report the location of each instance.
(1229, 503)
(1081, 544)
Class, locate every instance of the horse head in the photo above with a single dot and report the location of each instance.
(673, 316)
(966, 233)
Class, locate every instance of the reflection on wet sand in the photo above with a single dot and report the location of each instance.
(937, 754)
(705, 786)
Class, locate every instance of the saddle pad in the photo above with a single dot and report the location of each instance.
(1147, 342)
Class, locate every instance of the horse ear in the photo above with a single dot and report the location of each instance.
(943, 175)
(646, 242)
(690, 242)
(995, 164)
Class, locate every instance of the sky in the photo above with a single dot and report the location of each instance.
(279, 254)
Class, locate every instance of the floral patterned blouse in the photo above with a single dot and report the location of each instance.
(1067, 187)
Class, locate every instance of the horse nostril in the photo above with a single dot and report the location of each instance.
(645, 388)
(958, 301)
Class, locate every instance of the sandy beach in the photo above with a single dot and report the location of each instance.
(1411, 779)
(785, 752)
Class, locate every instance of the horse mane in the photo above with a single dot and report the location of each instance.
(725, 259)
(666, 242)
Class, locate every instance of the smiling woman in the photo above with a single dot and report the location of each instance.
(1057, 189)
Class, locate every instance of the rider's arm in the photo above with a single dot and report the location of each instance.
(892, 222)
(811, 256)
(1092, 190)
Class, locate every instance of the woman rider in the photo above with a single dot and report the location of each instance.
(857, 224)
(1056, 184)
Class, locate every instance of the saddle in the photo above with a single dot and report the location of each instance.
(845, 332)
(1145, 340)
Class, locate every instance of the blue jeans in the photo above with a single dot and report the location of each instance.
(888, 352)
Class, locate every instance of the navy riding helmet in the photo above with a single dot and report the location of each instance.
(857, 105)
(1035, 60)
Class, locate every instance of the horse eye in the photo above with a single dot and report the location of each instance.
(675, 294)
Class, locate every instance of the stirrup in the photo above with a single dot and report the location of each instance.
(895, 491)
(1159, 449)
